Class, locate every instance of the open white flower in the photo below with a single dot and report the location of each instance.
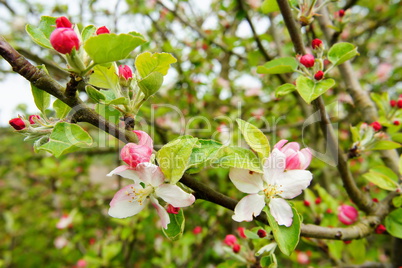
(272, 187)
(148, 186)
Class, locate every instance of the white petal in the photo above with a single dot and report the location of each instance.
(281, 211)
(174, 195)
(249, 206)
(246, 181)
(150, 174)
(274, 166)
(121, 207)
(163, 215)
(125, 172)
(294, 182)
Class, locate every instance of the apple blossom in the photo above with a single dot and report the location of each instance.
(65, 221)
(284, 177)
(63, 40)
(149, 184)
(347, 214)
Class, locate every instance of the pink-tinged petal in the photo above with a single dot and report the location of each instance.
(293, 161)
(144, 139)
(123, 205)
(174, 195)
(281, 211)
(274, 166)
(134, 154)
(293, 182)
(150, 174)
(246, 181)
(163, 215)
(305, 162)
(291, 146)
(249, 206)
(280, 144)
(125, 172)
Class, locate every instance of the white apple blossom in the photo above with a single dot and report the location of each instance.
(284, 177)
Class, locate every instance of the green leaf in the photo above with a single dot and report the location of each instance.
(41, 98)
(121, 100)
(357, 249)
(251, 235)
(110, 250)
(147, 63)
(278, 66)
(341, 52)
(355, 134)
(381, 179)
(108, 112)
(384, 145)
(151, 84)
(269, 6)
(61, 108)
(94, 94)
(237, 157)
(111, 47)
(87, 32)
(393, 223)
(310, 90)
(397, 201)
(284, 90)
(255, 138)
(387, 172)
(66, 138)
(326, 197)
(202, 155)
(176, 226)
(173, 157)
(286, 237)
(105, 77)
(42, 32)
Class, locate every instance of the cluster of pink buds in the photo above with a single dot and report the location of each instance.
(376, 126)
(64, 39)
(20, 124)
(396, 103)
(314, 66)
(231, 241)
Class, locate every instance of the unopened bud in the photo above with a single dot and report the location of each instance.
(32, 118)
(318, 200)
(197, 230)
(317, 43)
(102, 30)
(261, 233)
(341, 13)
(319, 75)
(172, 210)
(17, 123)
(63, 40)
(347, 214)
(236, 248)
(399, 103)
(306, 203)
(376, 126)
(380, 229)
(230, 240)
(307, 60)
(392, 103)
(63, 22)
(396, 122)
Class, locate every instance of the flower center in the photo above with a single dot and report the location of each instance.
(139, 195)
(272, 190)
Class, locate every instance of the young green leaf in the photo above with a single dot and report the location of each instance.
(173, 157)
(66, 138)
(105, 77)
(383, 145)
(61, 108)
(278, 66)
(284, 90)
(286, 237)
(341, 52)
(393, 223)
(255, 138)
(111, 47)
(237, 157)
(269, 6)
(175, 228)
(147, 63)
(381, 176)
(41, 98)
(310, 90)
(201, 156)
(94, 94)
(87, 32)
(42, 32)
(151, 84)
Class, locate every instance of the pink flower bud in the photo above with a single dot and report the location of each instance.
(102, 30)
(307, 60)
(134, 154)
(392, 103)
(399, 103)
(306, 203)
(303, 258)
(319, 75)
(125, 72)
(63, 22)
(17, 123)
(347, 214)
(240, 230)
(376, 126)
(230, 240)
(318, 200)
(295, 158)
(375, 200)
(197, 230)
(261, 233)
(81, 263)
(380, 229)
(64, 40)
(172, 210)
(236, 248)
(32, 117)
(341, 13)
(396, 122)
(316, 43)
